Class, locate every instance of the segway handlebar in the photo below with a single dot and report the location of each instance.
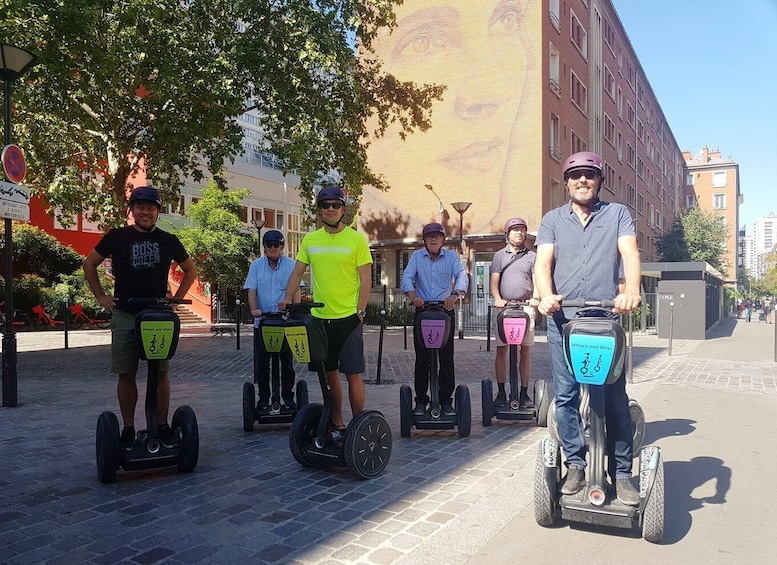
(146, 302)
(587, 303)
(303, 307)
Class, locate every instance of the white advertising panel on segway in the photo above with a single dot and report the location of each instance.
(594, 351)
(365, 445)
(433, 329)
(512, 325)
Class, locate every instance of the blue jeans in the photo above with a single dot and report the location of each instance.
(570, 428)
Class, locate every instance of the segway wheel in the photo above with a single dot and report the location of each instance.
(107, 447)
(653, 514)
(542, 401)
(487, 400)
(185, 426)
(545, 483)
(637, 425)
(302, 394)
(552, 422)
(303, 431)
(405, 410)
(463, 410)
(367, 446)
(248, 407)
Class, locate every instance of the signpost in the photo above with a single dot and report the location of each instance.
(14, 197)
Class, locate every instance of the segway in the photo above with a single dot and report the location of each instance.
(365, 448)
(512, 324)
(157, 329)
(594, 350)
(270, 336)
(433, 330)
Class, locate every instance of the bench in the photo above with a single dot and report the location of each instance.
(222, 330)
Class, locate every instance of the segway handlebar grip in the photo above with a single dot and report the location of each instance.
(586, 303)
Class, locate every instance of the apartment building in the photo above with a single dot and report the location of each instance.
(526, 87)
(760, 245)
(712, 182)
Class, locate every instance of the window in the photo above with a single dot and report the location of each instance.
(609, 35)
(719, 179)
(609, 130)
(555, 137)
(609, 82)
(630, 115)
(619, 102)
(690, 179)
(578, 144)
(554, 80)
(579, 93)
(554, 14)
(719, 201)
(403, 258)
(377, 269)
(641, 167)
(631, 156)
(690, 201)
(640, 130)
(578, 35)
(620, 147)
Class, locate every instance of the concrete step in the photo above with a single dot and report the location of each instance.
(187, 316)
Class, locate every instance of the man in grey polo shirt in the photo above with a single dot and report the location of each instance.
(511, 278)
(580, 247)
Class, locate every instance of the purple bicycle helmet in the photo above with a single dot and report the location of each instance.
(330, 193)
(145, 194)
(583, 160)
(434, 227)
(514, 222)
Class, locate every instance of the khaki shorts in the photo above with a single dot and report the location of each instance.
(528, 339)
(124, 356)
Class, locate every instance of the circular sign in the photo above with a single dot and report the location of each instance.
(14, 164)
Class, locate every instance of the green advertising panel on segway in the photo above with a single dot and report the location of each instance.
(273, 332)
(307, 338)
(156, 334)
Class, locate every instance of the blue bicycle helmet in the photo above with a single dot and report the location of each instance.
(145, 194)
(330, 193)
(273, 236)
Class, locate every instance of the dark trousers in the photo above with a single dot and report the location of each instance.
(423, 365)
(262, 370)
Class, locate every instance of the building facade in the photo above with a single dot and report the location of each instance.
(527, 86)
(712, 183)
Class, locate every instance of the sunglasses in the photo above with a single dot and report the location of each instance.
(273, 245)
(589, 174)
(328, 205)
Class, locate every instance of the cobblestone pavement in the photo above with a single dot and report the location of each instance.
(248, 501)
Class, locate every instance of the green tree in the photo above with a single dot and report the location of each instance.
(38, 253)
(124, 84)
(696, 235)
(216, 238)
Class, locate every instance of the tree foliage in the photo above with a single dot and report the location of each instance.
(696, 235)
(216, 239)
(36, 252)
(160, 83)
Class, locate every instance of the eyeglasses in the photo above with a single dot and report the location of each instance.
(589, 174)
(273, 244)
(328, 205)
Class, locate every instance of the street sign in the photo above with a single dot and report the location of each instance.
(14, 192)
(14, 210)
(14, 164)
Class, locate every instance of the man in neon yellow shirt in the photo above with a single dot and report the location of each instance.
(341, 271)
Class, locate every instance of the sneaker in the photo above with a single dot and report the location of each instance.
(166, 436)
(420, 408)
(127, 441)
(501, 399)
(526, 402)
(626, 492)
(290, 404)
(447, 409)
(574, 481)
(263, 404)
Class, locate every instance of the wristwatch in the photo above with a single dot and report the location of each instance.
(361, 313)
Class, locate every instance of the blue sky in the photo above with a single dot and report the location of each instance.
(713, 67)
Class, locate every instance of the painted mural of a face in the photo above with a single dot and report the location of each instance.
(477, 49)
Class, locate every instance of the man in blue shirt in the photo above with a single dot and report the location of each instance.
(581, 249)
(434, 274)
(266, 286)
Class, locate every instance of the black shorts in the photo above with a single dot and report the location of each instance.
(346, 345)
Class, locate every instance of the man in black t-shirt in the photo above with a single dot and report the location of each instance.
(141, 255)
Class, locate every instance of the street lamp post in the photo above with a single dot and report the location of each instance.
(259, 224)
(461, 207)
(15, 62)
(442, 209)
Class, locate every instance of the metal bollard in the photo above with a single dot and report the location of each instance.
(380, 344)
(488, 328)
(238, 315)
(461, 317)
(671, 324)
(66, 319)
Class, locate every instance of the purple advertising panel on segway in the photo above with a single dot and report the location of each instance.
(433, 332)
